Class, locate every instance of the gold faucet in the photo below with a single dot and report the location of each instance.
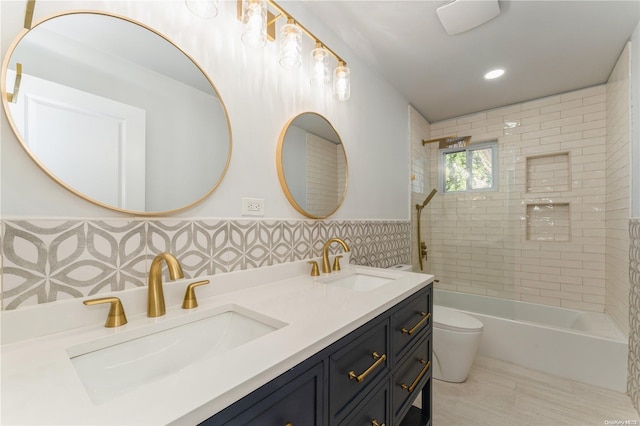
(325, 253)
(156, 306)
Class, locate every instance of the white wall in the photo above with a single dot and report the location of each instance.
(260, 98)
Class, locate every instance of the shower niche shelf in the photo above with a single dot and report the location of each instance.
(549, 173)
(548, 222)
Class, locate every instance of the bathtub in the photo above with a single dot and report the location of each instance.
(582, 346)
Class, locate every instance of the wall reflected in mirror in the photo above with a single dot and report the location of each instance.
(312, 165)
(116, 113)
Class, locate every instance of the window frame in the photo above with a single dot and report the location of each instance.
(467, 149)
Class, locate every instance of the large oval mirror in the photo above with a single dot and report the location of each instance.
(312, 165)
(116, 113)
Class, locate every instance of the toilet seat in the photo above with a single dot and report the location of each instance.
(450, 319)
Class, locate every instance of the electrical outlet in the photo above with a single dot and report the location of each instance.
(252, 206)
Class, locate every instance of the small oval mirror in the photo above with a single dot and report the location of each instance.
(312, 165)
(116, 113)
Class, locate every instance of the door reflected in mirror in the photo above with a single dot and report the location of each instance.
(312, 165)
(116, 113)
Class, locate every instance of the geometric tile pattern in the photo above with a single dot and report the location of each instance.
(48, 260)
(633, 383)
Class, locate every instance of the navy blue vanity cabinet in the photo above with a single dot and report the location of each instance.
(293, 398)
(357, 367)
(412, 326)
(370, 376)
(376, 408)
(410, 377)
(411, 320)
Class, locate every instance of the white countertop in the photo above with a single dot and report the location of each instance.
(40, 384)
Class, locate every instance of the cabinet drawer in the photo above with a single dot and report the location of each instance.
(298, 402)
(374, 410)
(411, 376)
(411, 320)
(356, 368)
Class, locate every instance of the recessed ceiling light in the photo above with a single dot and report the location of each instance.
(494, 74)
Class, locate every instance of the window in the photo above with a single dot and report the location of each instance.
(469, 169)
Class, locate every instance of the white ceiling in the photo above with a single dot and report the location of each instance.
(546, 47)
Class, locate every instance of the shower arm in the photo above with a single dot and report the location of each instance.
(419, 207)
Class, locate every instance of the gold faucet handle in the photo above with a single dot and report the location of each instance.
(315, 272)
(336, 263)
(116, 316)
(190, 300)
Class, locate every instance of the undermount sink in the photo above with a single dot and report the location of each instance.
(118, 364)
(360, 279)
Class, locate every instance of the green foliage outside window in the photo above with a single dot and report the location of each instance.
(468, 169)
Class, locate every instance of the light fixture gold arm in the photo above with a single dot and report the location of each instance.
(271, 28)
(305, 30)
(13, 97)
(28, 14)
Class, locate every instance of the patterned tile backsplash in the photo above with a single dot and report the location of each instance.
(633, 384)
(48, 260)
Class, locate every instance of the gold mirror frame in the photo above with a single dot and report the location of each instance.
(6, 97)
(281, 169)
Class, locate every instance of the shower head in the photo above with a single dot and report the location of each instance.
(450, 141)
(426, 201)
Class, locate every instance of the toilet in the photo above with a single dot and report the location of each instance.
(456, 338)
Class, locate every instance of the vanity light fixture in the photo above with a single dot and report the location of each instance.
(290, 45)
(498, 72)
(260, 25)
(254, 18)
(342, 82)
(203, 8)
(319, 66)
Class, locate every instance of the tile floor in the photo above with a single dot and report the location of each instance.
(499, 393)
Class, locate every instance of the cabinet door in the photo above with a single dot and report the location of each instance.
(410, 377)
(296, 403)
(356, 368)
(374, 409)
(411, 321)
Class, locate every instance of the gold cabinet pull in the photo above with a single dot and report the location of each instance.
(374, 422)
(379, 360)
(190, 300)
(422, 373)
(116, 316)
(425, 317)
(289, 424)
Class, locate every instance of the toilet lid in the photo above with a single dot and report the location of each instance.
(450, 319)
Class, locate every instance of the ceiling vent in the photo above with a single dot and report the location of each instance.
(459, 16)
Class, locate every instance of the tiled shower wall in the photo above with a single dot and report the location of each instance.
(633, 384)
(617, 193)
(50, 260)
(421, 185)
(496, 243)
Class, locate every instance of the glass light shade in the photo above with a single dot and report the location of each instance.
(290, 45)
(342, 82)
(254, 18)
(203, 8)
(319, 66)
